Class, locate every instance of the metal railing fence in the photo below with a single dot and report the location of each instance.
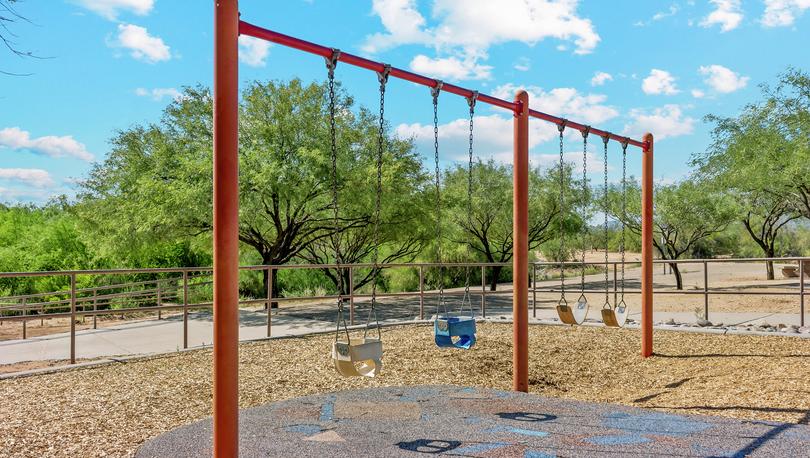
(173, 293)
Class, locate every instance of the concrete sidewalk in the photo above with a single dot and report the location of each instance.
(163, 336)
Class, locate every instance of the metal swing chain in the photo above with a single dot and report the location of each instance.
(435, 91)
(624, 207)
(471, 102)
(561, 129)
(585, 133)
(331, 63)
(605, 140)
(382, 77)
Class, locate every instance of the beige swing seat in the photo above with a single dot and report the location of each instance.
(358, 357)
(615, 317)
(573, 315)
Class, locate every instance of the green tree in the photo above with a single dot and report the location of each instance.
(489, 237)
(44, 238)
(762, 157)
(685, 214)
(402, 230)
(156, 182)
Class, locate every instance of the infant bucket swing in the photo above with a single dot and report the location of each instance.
(449, 330)
(355, 357)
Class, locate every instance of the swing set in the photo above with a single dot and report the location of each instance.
(363, 356)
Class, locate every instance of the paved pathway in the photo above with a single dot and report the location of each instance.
(455, 421)
(162, 336)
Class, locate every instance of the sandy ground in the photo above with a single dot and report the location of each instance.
(110, 410)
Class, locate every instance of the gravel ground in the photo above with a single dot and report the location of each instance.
(109, 411)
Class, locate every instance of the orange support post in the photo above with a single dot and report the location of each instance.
(226, 229)
(647, 247)
(520, 240)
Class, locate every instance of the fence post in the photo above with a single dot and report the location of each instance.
(269, 299)
(484, 292)
(72, 318)
(421, 292)
(534, 290)
(705, 290)
(185, 309)
(801, 292)
(25, 325)
(351, 295)
(159, 300)
(615, 286)
(95, 308)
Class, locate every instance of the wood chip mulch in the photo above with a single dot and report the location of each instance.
(111, 410)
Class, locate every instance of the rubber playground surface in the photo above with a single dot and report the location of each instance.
(479, 422)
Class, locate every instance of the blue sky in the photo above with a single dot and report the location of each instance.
(626, 66)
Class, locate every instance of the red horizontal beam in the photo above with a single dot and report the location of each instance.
(248, 29)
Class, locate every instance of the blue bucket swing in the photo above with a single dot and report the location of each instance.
(452, 330)
(455, 331)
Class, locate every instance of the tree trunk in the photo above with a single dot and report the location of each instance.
(496, 273)
(673, 267)
(769, 264)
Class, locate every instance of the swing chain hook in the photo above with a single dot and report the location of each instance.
(382, 76)
(436, 89)
(472, 99)
(331, 61)
(585, 132)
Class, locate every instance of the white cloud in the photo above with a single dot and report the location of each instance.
(698, 94)
(663, 122)
(727, 14)
(403, 23)
(452, 68)
(523, 64)
(672, 11)
(253, 51)
(159, 93)
(564, 102)
(141, 45)
(659, 82)
(722, 79)
(66, 146)
(111, 8)
(782, 13)
(475, 25)
(600, 78)
(33, 177)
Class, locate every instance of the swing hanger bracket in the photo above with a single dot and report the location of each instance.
(606, 138)
(436, 89)
(472, 99)
(585, 131)
(382, 76)
(332, 60)
(561, 125)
